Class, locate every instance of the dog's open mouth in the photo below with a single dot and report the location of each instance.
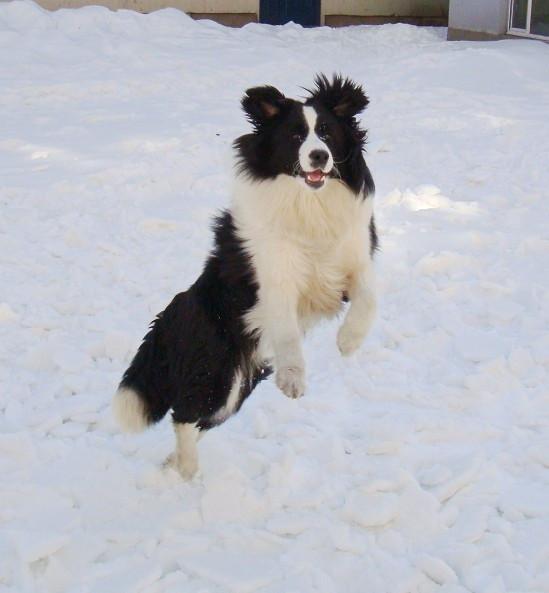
(315, 178)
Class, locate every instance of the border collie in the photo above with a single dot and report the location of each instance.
(297, 241)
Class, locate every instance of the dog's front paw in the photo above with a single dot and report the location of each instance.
(291, 381)
(348, 340)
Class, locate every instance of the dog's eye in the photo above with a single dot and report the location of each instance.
(298, 137)
(323, 132)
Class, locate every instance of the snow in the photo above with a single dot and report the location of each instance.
(419, 465)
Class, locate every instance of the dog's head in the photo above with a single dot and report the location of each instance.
(314, 142)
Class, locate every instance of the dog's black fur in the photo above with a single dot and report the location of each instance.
(188, 359)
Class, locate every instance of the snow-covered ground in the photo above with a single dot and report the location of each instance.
(419, 465)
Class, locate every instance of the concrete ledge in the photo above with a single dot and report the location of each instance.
(386, 8)
(344, 20)
(229, 19)
(465, 35)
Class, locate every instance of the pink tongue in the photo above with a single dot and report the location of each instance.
(315, 175)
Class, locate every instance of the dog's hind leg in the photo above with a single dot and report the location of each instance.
(185, 457)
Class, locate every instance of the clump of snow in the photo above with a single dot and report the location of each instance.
(418, 465)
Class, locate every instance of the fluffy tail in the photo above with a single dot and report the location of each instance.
(129, 409)
(144, 394)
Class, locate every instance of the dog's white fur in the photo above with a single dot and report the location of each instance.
(313, 142)
(129, 411)
(185, 457)
(308, 248)
(233, 399)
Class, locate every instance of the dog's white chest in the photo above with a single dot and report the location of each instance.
(322, 283)
(304, 245)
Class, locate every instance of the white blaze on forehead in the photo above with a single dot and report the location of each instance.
(311, 116)
(312, 142)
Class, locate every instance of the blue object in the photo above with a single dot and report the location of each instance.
(279, 12)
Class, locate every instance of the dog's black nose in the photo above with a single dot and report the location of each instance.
(319, 158)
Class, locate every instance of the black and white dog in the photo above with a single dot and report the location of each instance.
(296, 242)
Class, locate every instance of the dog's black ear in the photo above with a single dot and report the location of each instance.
(343, 97)
(262, 103)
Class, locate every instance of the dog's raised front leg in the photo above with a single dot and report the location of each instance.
(290, 369)
(359, 318)
(284, 335)
(276, 317)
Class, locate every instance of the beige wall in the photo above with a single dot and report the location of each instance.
(193, 6)
(220, 5)
(418, 8)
